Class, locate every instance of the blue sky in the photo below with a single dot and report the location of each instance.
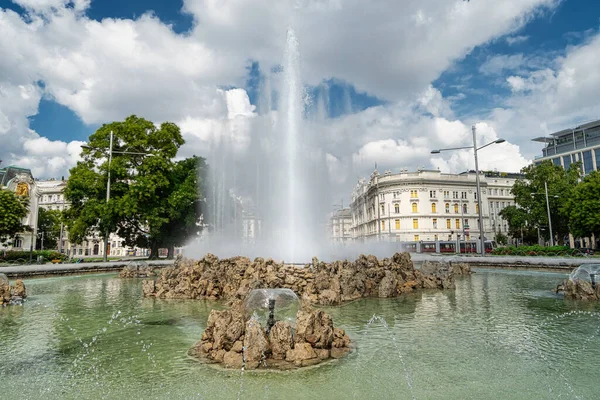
(549, 33)
(407, 68)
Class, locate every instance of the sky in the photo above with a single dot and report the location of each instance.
(386, 81)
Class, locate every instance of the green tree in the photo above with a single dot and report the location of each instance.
(48, 228)
(149, 191)
(530, 196)
(13, 209)
(520, 225)
(501, 238)
(583, 207)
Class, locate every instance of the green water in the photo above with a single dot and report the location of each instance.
(500, 335)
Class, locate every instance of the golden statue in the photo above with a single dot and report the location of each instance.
(22, 189)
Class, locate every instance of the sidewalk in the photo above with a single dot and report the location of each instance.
(566, 264)
(20, 271)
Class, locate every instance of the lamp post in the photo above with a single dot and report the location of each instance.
(110, 153)
(547, 210)
(479, 203)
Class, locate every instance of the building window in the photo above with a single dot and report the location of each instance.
(416, 238)
(397, 208)
(446, 194)
(435, 237)
(566, 161)
(447, 208)
(457, 222)
(477, 208)
(433, 207)
(18, 242)
(414, 207)
(475, 196)
(382, 209)
(455, 195)
(465, 209)
(382, 225)
(397, 224)
(80, 251)
(432, 194)
(415, 223)
(435, 223)
(463, 195)
(448, 223)
(456, 208)
(381, 196)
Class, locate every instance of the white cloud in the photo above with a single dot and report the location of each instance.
(106, 70)
(497, 64)
(511, 40)
(551, 99)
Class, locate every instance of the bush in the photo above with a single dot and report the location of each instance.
(536, 250)
(48, 255)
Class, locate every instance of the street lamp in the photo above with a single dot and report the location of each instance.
(479, 204)
(110, 153)
(548, 210)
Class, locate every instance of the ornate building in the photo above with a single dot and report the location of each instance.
(48, 194)
(20, 181)
(429, 206)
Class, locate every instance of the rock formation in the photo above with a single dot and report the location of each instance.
(234, 342)
(460, 268)
(582, 284)
(14, 294)
(580, 290)
(316, 283)
(137, 269)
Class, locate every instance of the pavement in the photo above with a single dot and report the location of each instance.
(521, 262)
(19, 271)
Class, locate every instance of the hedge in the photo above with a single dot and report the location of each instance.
(536, 251)
(48, 255)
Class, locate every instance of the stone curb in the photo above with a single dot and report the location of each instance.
(21, 271)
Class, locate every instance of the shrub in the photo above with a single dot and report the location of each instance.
(48, 255)
(536, 250)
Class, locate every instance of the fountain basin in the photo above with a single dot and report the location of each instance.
(260, 333)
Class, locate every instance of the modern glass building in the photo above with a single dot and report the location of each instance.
(568, 146)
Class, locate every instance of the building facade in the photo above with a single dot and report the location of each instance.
(568, 146)
(339, 228)
(21, 182)
(49, 195)
(429, 206)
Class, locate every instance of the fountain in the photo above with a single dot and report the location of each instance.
(277, 180)
(582, 284)
(264, 332)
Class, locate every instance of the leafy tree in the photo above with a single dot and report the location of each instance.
(583, 207)
(48, 228)
(13, 209)
(530, 196)
(519, 224)
(501, 238)
(150, 192)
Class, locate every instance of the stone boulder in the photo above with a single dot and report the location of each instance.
(281, 339)
(461, 269)
(314, 327)
(14, 294)
(581, 290)
(256, 344)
